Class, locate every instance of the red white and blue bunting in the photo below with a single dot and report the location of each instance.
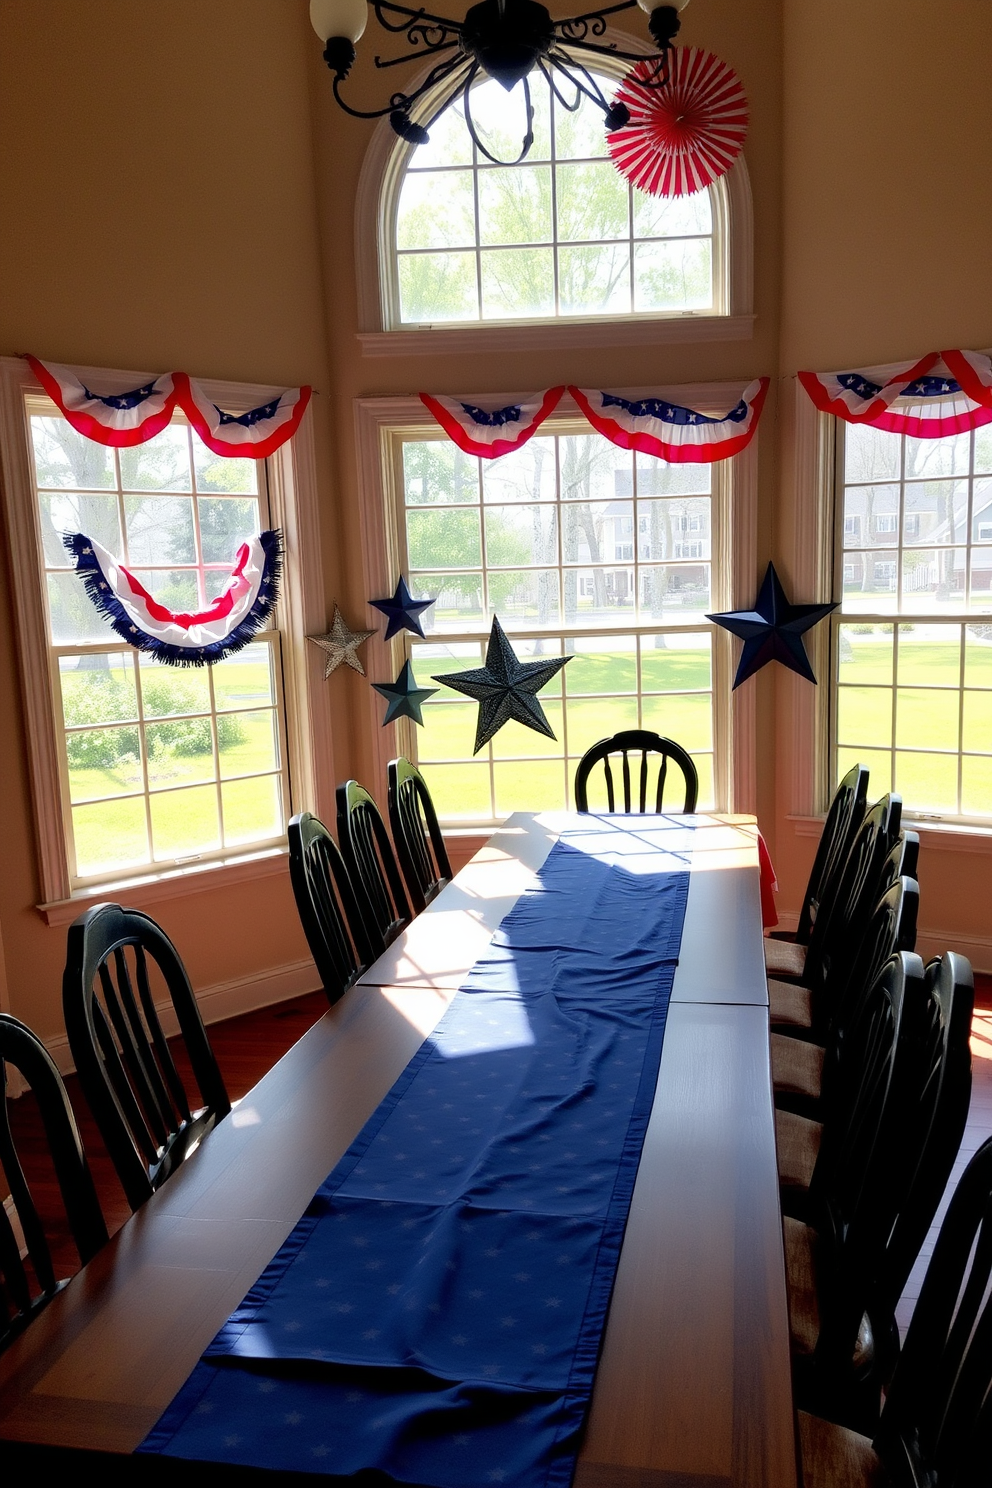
(225, 626)
(680, 435)
(489, 429)
(125, 419)
(654, 425)
(944, 392)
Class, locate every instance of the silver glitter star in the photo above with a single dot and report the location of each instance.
(341, 643)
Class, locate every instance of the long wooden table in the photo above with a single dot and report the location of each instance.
(693, 1386)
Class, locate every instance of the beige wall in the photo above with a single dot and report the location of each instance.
(177, 190)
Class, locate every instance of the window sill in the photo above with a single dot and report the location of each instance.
(178, 883)
(940, 836)
(442, 340)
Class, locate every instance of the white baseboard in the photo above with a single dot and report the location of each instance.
(223, 1000)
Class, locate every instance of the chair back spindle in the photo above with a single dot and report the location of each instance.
(646, 744)
(371, 863)
(416, 834)
(329, 913)
(125, 1064)
(20, 1297)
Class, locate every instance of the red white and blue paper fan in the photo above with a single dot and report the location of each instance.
(256, 434)
(121, 420)
(939, 394)
(116, 419)
(225, 626)
(685, 133)
(487, 428)
(680, 435)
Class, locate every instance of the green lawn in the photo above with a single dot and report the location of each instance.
(931, 713)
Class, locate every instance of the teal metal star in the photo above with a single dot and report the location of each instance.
(773, 630)
(505, 688)
(404, 697)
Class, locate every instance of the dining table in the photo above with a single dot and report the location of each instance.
(692, 1386)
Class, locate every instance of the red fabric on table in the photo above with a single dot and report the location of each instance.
(769, 886)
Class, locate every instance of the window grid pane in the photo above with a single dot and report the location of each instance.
(913, 654)
(161, 765)
(575, 525)
(559, 236)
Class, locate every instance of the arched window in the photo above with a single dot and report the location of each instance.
(557, 239)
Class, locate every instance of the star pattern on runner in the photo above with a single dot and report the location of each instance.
(505, 688)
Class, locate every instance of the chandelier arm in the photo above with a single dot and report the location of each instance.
(608, 51)
(657, 78)
(528, 137)
(444, 46)
(548, 74)
(403, 101)
(444, 22)
(593, 92)
(595, 15)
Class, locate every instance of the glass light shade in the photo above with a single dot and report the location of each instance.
(346, 18)
(646, 5)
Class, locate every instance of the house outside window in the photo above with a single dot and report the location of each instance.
(912, 640)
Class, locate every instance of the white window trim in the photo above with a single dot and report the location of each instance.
(378, 419)
(293, 507)
(815, 546)
(379, 332)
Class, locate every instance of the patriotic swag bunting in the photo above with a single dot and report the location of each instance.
(487, 429)
(682, 436)
(122, 420)
(944, 392)
(225, 626)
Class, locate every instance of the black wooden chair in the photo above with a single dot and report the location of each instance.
(786, 954)
(329, 912)
(798, 1064)
(20, 1296)
(416, 834)
(371, 862)
(636, 742)
(935, 1429)
(128, 1075)
(810, 1079)
(806, 1007)
(883, 1163)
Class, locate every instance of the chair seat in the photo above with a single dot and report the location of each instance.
(800, 1274)
(790, 1004)
(834, 1457)
(798, 1141)
(784, 957)
(797, 1066)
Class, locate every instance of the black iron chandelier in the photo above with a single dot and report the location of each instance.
(504, 39)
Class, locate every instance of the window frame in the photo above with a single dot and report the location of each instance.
(947, 823)
(381, 424)
(382, 334)
(292, 487)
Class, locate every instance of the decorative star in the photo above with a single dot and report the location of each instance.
(505, 688)
(402, 611)
(404, 697)
(773, 630)
(341, 643)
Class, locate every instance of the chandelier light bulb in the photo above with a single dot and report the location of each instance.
(649, 5)
(339, 18)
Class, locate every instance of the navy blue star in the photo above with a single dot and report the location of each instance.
(505, 688)
(404, 697)
(402, 611)
(773, 630)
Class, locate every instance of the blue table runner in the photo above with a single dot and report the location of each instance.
(437, 1313)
